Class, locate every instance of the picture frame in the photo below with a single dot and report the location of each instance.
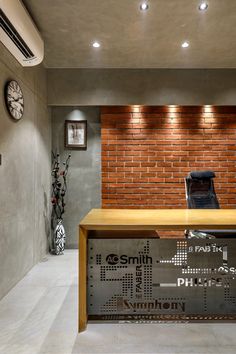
(76, 134)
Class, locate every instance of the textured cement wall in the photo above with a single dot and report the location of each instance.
(24, 174)
(141, 87)
(84, 177)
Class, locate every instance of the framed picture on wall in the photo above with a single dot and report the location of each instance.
(76, 134)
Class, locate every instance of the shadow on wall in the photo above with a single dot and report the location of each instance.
(47, 219)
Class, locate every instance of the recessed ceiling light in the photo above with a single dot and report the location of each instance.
(96, 44)
(185, 45)
(144, 6)
(203, 6)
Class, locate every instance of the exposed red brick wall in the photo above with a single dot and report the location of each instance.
(147, 152)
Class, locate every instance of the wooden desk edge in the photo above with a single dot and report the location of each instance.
(158, 227)
(82, 284)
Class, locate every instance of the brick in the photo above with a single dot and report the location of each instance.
(108, 147)
(132, 164)
(139, 158)
(132, 175)
(148, 164)
(125, 158)
(156, 179)
(133, 153)
(140, 169)
(124, 169)
(108, 180)
(150, 174)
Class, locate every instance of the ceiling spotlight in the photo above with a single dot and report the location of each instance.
(144, 6)
(185, 45)
(96, 44)
(203, 6)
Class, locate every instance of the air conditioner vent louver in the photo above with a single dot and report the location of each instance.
(10, 30)
(19, 34)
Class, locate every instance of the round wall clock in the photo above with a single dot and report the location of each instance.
(14, 99)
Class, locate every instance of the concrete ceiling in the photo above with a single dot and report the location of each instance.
(133, 39)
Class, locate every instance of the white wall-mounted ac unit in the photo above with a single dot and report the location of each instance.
(19, 34)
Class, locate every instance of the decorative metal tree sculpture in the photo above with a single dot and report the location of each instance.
(59, 188)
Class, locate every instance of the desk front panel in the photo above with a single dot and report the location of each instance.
(139, 280)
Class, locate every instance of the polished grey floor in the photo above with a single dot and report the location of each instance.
(39, 316)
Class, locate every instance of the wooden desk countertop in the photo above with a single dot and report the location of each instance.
(160, 219)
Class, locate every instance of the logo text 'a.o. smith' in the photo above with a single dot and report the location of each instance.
(124, 259)
(112, 259)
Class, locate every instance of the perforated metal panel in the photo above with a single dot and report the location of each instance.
(161, 279)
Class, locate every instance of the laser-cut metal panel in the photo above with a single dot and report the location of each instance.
(134, 278)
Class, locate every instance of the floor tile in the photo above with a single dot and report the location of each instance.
(39, 316)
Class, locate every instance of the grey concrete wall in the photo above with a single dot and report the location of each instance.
(24, 174)
(84, 177)
(141, 87)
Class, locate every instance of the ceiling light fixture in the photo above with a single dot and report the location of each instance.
(185, 45)
(96, 44)
(144, 6)
(203, 6)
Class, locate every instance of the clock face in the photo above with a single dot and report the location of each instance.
(14, 99)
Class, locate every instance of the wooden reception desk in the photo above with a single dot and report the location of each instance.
(115, 220)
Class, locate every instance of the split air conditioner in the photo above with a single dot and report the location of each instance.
(19, 34)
